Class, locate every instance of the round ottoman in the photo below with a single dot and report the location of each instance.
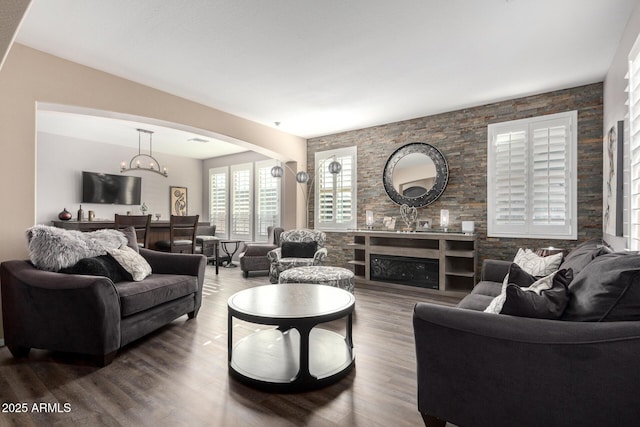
(333, 276)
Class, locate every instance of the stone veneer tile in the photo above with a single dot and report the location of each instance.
(462, 137)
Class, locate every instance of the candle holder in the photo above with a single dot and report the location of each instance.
(444, 219)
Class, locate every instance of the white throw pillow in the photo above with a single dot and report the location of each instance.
(537, 265)
(131, 261)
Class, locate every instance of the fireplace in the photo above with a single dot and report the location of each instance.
(421, 272)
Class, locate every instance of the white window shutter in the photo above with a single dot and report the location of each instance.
(531, 179)
(218, 179)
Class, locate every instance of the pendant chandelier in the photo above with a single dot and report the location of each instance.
(140, 160)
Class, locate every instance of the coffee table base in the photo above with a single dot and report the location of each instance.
(270, 360)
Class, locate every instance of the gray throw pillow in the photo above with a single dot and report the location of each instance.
(132, 238)
(584, 253)
(606, 290)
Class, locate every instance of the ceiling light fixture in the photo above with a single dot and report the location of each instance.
(154, 166)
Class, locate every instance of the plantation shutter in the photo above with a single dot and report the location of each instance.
(268, 199)
(218, 200)
(510, 179)
(241, 202)
(551, 176)
(344, 191)
(634, 147)
(531, 179)
(335, 194)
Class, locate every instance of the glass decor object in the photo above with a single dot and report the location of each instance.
(409, 215)
(444, 218)
(369, 219)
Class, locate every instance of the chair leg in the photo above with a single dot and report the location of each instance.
(431, 421)
(245, 274)
(192, 314)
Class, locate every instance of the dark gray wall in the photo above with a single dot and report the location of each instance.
(462, 137)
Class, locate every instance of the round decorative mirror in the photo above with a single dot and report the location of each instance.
(415, 174)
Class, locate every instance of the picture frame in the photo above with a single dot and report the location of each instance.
(612, 215)
(178, 201)
(424, 224)
(389, 222)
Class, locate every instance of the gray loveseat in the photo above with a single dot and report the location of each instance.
(483, 369)
(93, 315)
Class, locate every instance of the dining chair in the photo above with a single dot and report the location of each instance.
(141, 223)
(182, 235)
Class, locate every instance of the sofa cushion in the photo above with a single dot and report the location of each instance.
(584, 253)
(538, 302)
(299, 249)
(132, 261)
(154, 290)
(607, 289)
(537, 265)
(102, 265)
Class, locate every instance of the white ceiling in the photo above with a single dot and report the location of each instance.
(321, 67)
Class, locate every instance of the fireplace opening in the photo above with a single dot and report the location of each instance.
(421, 272)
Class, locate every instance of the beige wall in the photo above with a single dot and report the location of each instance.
(30, 76)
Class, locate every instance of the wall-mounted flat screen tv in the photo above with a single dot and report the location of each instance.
(111, 189)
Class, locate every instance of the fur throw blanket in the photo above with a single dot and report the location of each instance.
(52, 248)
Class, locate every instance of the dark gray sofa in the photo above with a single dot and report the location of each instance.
(90, 314)
(482, 369)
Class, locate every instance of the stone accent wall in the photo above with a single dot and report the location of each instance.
(462, 137)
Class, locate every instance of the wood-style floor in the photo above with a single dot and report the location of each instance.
(178, 375)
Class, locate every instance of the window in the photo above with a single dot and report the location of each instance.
(531, 178)
(241, 202)
(240, 206)
(267, 199)
(218, 179)
(634, 147)
(335, 194)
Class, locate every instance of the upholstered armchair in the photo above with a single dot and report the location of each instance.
(254, 257)
(298, 248)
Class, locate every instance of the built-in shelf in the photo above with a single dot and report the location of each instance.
(455, 254)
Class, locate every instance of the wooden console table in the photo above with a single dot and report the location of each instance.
(159, 229)
(449, 259)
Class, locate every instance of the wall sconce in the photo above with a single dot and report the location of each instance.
(444, 219)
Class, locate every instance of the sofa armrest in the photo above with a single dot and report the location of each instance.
(59, 312)
(494, 270)
(274, 255)
(319, 256)
(483, 369)
(170, 263)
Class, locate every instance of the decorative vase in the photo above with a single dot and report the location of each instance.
(65, 215)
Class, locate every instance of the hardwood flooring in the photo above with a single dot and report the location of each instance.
(177, 376)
